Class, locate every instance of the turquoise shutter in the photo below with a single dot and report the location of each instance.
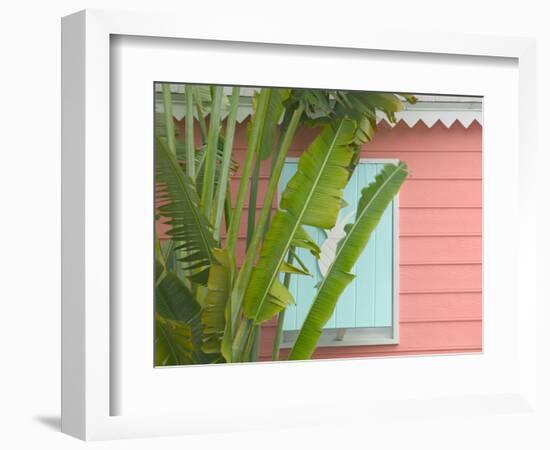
(368, 300)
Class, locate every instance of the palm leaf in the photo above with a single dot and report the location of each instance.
(374, 200)
(313, 196)
(188, 227)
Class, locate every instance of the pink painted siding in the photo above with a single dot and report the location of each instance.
(440, 237)
(440, 306)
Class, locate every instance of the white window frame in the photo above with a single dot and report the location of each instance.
(363, 336)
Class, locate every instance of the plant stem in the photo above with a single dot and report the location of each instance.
(256, 339)
(244, 274)
(230, 341)
(252, 201)
(211, 152)
(241, 338)
(284, 127)
(278, 336)
(169, 118)
(251, 223)
(200, 116)
(251, 343)
(281, 316)
(227, 209)
(273, 183)
(259, 118)
(226, 161)
(189, 132)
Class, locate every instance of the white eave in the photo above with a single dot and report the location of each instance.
(432, 108)
(429, 108)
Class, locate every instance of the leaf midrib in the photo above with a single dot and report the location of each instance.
(298, 220)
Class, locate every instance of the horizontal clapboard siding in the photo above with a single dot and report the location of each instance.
(415, 338)
(440, 236)
(440, 241)
(417, 193)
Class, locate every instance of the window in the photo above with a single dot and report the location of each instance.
(366, 313)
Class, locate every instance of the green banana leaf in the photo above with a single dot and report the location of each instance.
(213, 314)
(189, 229)
(173, 342)
(302, 239)
(313, 196)
(372, 204)
(173, 300)
(324, 106)
(178, 329)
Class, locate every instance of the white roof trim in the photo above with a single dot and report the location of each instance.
(430, 113)
(448, 109)
(429, 109)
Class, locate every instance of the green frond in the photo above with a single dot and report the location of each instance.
(373, 202)
(213, 314)
(189, 229)
(177, 325)
(313, 196)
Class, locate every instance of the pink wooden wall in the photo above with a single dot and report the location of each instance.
(440, 237)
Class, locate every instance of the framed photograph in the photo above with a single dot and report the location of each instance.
(280, 193)
(266, 230)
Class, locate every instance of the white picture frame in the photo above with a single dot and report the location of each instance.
(87, 353)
